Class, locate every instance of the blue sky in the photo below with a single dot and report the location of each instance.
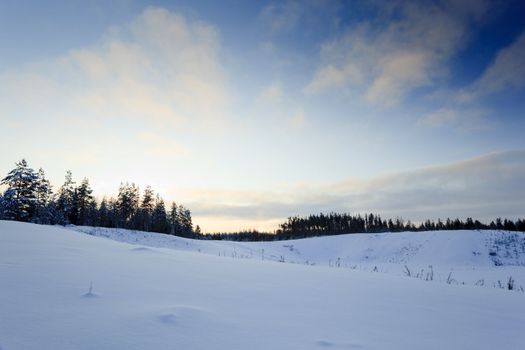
(249, 112)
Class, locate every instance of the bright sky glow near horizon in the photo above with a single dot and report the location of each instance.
(250, 112)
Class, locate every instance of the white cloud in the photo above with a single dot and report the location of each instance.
(332, 76)
(389, 61)
(160, 67)
(483, 187)
(150, 88)
(400, 72)
(460, 117)
(506, 71)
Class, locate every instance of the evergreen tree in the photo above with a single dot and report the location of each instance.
(84, 203)
(2, 206)
(159, 216)
(43, 214)
(113, 212)
(185, 221)
(9, 205)
(66, 206)
(127, 204)
(146, 209)
(174, 220)
(103, 214)
(21, 195)
(91, 218)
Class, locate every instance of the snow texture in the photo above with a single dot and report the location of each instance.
(62, 289)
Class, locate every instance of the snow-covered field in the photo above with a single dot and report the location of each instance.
(64, 289)
(482, 258)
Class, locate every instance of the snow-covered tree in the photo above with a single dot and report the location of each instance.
(43, 197)
(8, 205)
(20, 198)
(66, 200)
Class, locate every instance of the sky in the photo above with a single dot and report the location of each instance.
(250, 112)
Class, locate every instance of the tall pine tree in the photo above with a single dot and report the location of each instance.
(43, 211)
(84, 203)
(159, 216)
(146, 209)
(66, 206)
(127, 204)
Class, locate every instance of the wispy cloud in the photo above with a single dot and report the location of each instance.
(507, 71)
(160, 67)
(464, 118)
(286, 16)
(140, 92)
(386, 62)
(483, 187)
(282, 16)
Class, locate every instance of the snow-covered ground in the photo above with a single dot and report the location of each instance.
(482, 258)
(62, 289)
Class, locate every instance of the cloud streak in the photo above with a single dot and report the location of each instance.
(386, 62)
(160, 67)
(482, 187)
(507, 71)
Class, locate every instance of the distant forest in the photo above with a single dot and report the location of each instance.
(29, 197)
(337, 224)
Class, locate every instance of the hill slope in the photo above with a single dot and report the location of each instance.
(472, 257)
(157, 298)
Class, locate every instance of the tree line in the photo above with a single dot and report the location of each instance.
(336, 223)
(342, 223)
(29, 197)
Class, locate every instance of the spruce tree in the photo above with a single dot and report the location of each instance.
(43, 213)
(127, 204)
(84, 203)
(20, 197)
(66, 206)
(103, 214)
(174, 220)
(146, 209)
(185, 222)
(159, 216)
